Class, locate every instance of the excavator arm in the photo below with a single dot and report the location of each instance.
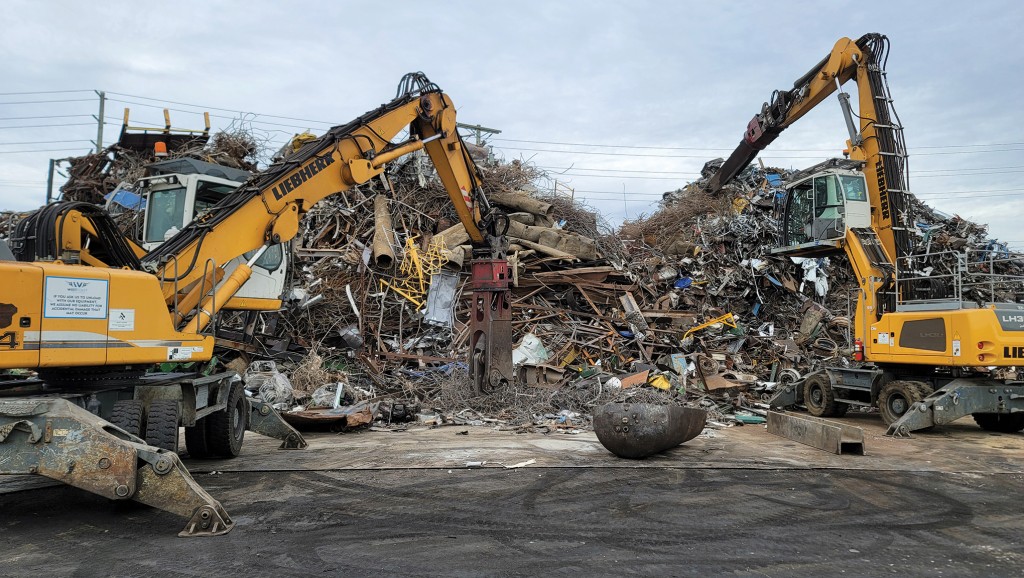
(267, 210)
(875, 133)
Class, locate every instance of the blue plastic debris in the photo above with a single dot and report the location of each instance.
(127, 199)
(683, 283)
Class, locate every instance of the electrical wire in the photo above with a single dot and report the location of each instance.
(43, 142)
(48, 101)
(766, 157)
(49, 125)
(38, 151)
(647, 147)
(44, 92)
(45, 116)
(217, 108)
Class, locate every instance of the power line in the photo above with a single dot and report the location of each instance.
(45, 117)
(971, 169)
(223, 109)
(619, 170)
(617, 154)
(619, 177)
(595, 145)
(231, 118)
(49, 125)
(43, 142)
(945, 195)
(49, 101)
(43, 92)
(38, 151)
(915, 174)
(964, 174)
(705, 157)
(969, 192)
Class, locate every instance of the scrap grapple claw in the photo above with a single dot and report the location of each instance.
(53, 437)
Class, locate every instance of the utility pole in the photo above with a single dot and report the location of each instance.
(99, 120)
(49, 183)
(478, 131)
(54, 165)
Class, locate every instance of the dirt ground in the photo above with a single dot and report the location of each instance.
(741, 503)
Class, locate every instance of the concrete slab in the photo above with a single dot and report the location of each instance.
(959, 447)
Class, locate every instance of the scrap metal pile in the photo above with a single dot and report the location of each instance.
(686, 305)
(683, 306)
(93, 176)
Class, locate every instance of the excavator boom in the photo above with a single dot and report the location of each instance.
(90, 316)
(920, 337)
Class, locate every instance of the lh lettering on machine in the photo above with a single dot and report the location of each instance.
(1013, 352)
(301, 176)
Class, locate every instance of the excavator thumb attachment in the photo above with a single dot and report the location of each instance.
(55, 438)
(957, 399)
(264, 419)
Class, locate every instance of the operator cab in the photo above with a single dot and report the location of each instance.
(180, 190)
(820, 205)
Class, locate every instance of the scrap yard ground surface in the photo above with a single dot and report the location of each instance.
(742, 502)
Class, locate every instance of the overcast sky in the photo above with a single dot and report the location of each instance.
(677, 81)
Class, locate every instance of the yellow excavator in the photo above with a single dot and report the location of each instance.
(90, 312)
(932, 354)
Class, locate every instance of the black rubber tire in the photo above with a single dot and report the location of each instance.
(128, 415)
(897, 396)
(225, 429)
(923, 389)
(195, 440)
(820, 398)
(1000, 422)
(162, 424)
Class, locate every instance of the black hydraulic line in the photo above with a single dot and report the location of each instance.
(39, 237)
(261, 182)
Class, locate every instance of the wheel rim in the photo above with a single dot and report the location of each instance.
(237, 419)
(816, 395)
(898, 405)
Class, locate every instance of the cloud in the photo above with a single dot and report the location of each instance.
(681, 74)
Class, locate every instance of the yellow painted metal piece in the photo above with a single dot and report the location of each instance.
(215, 302)
(337, 167)
(252, 304)
(113, 316)
(74, 315)
(286, 225)
(413, 280)
(660, 382)
(728, 320)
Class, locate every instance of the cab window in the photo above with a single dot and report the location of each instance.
(166, 209)
(270, 259)
(854, 187)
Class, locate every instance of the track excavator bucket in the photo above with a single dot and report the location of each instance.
(53, 437)
(638, 430)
